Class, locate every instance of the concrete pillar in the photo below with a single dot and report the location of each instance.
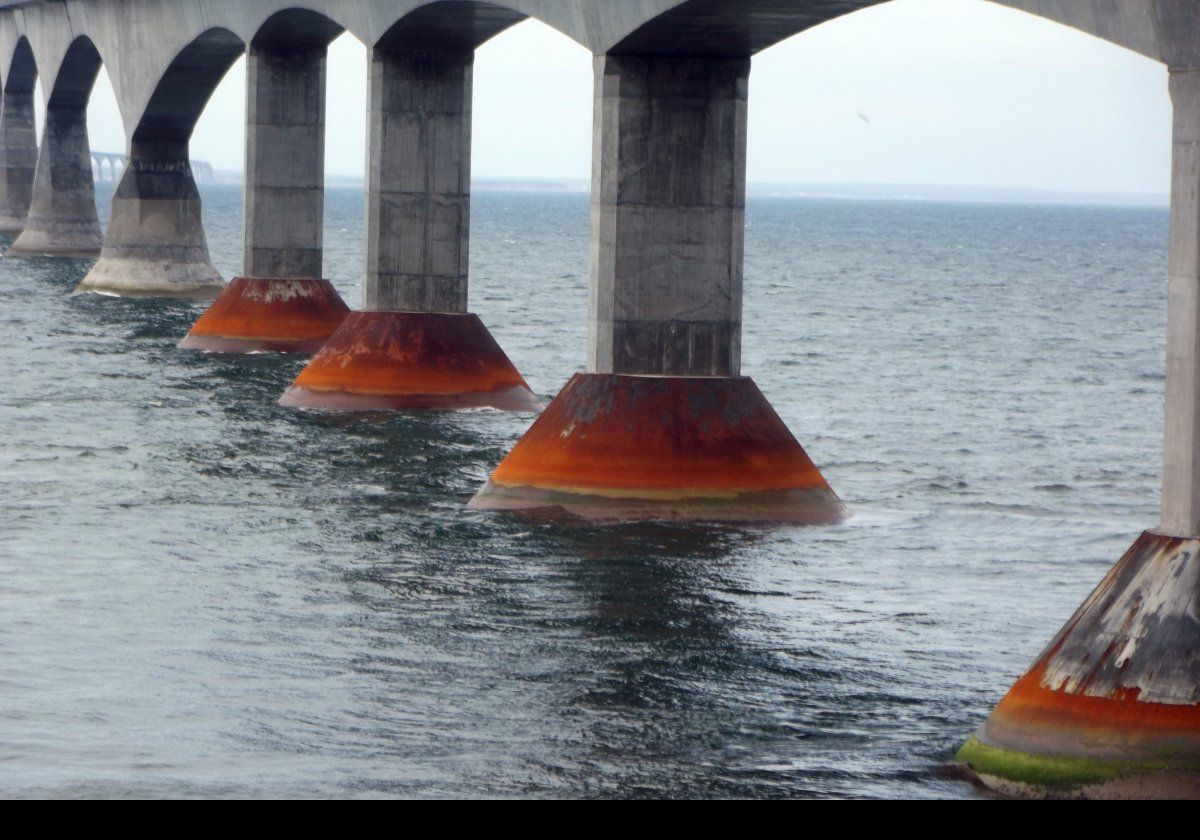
(415, 346)
(285, 160)
(155, 243)
(62, 214)
(18, 158)
(282, 303)
(418, 180)
(1181, 441)
(668, 215)
(662, 426)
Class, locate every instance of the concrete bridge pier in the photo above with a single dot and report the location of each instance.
(155, 245)
(18, 147)
(1112, 705)
(62, 217)
(662, 425)
(415, 346)
(281, 303)
(62, 214)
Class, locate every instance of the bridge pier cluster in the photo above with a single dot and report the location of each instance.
(662, 424)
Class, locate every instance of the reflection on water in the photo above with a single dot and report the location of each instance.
(203, 593)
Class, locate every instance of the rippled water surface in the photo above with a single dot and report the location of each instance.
(202, 593)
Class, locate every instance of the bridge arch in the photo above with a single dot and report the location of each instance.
(62, 215)
(22, 72)
(18, 138)
(448, 25)
(155, 242)
(184, 89)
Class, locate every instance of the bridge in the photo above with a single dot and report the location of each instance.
(108, 166)
(662, 424)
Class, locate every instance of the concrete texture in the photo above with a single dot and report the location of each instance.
(285, 146)
(418, 180)
(668, 215)
(1181, 442)
(18, 141)
(155, 242)
(62, 214)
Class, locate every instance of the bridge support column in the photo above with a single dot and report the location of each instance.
(155, 245)
(1112, 706)
(663, 425)
(18, 159)
(281, 303)
(415, 345)
(62, 214)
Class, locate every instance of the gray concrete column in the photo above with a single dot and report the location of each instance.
(155, 243)
(1181, 440)
(285, 160)
(418, 180)
(668, 215)
(18, 159)
(62, 214)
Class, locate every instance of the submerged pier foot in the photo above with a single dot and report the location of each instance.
(1112, 706)
(411, 360)
(613, 446)
(269, 314)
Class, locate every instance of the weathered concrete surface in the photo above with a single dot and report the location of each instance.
(418, 180)
(668, 215)
(441, 361)
(654, 447)
(269, 315)
(62, 214)
(1181, 443)
(155, 243)
(18, 141)
(285, 146)
(1112, 707)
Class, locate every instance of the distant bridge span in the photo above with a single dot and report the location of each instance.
(662, 424)
(108, 166)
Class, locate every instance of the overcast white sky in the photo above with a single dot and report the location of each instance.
(957, 92)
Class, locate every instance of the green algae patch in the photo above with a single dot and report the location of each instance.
(1047, 772)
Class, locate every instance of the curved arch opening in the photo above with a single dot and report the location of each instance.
(186, 87)
(62, 217)
(531, 147)
(938, 168)
(448, 25)
(19, 120)
(22, 71)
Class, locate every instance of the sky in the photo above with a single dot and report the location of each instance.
(941, 92)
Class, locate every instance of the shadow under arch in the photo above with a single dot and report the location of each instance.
(62, 217)
(155, 243)
(719, 29)
(18, 138)
(448, 25)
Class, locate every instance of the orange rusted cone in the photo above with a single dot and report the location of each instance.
(634, 447)
(263, 314)
(411, 360)
(1112, 706)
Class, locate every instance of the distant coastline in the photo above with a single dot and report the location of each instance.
(852, 192)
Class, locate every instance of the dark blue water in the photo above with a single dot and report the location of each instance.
(202, 593)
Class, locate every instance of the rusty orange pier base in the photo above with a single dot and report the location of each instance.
(269, 314)
(1112, 706)
(411, 360)
(614, 446)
